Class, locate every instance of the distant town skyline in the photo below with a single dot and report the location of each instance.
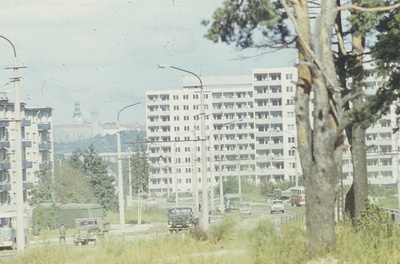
(105, 54)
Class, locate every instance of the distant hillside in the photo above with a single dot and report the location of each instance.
(107, 143)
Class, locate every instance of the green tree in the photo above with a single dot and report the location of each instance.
(320, 135)
(102, 184)
(76, 160)
(140, 167)
(71, 184)
(42, 192)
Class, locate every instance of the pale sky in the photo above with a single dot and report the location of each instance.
(104, 54)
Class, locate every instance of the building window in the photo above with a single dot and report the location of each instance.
(260, 77)
(290, 102)
(275, 76)
(276, 89)
(290, 127)
(186, 118)
(176, 118)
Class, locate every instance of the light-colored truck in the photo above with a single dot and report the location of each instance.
(89, 230)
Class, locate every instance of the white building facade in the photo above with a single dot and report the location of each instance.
(37, 149)
(250, 130)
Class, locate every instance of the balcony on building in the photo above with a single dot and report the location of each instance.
(4, 144)
(45, 146)
(27, 185)
(27, 164)
(44, 126)
(5, 165)
(25, 122)
(4, 123)
(5, 187)
(26, 143)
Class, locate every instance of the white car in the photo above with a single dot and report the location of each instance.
(245, 208)
(151, 202)
(277, 206)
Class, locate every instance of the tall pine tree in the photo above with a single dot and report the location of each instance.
(101, 183)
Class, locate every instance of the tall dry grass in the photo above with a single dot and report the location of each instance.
(234, 240)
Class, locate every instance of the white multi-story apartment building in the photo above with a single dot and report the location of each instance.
(37, 149)
(250, 130)
(382, 141)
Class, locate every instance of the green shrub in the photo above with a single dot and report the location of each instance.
(269, 245)
(223, 230)
(373, 219)
(198, 233)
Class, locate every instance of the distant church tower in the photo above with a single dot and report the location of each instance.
(77, 113)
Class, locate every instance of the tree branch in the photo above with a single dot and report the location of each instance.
(368, 9)
(349, 97)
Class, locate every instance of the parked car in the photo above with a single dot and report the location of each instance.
(244, 208)
(171, 199)
(277, 206)
(218, 208)
(150, 203)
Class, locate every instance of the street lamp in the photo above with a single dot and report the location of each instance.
(196, 180)
(203, 145)
(221, 182)
(120, 185)
(19, 191)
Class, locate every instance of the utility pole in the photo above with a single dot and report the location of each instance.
(19, 191)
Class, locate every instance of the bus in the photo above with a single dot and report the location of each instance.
(297, 196)
(8, 229)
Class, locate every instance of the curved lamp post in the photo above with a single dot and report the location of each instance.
(203, 146)
(221, 182)
(19, 196)
(120, 185)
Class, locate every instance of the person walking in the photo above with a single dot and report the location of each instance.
(62, 233)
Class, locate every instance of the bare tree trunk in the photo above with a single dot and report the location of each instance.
(318, 146)
(360, 177)
(355, 198)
